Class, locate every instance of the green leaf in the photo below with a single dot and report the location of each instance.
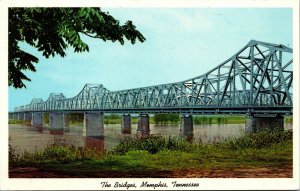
(51, 30)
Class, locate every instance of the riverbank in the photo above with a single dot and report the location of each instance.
(265, 154)
(281, 172)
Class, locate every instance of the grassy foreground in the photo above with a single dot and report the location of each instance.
(268, 154)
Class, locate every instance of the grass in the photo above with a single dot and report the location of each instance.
(218, 119)
(164, 154)
(153, 145)
(17, 121)
(54, 154)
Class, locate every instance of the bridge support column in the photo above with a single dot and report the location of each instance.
(143, 124)
(66, 121)
(58, 121)
(126, 124)
(187, 125)
(15, 116)
(21, 116)
(258, 122)
(10, 116)
(27, 116)
(94, 124)
(37, 119)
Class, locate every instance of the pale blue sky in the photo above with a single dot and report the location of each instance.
(181, 44)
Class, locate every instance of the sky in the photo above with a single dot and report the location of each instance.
(181, 43)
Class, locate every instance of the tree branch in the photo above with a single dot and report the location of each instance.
(87, 34)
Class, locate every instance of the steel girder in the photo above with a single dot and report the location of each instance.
(260, 74)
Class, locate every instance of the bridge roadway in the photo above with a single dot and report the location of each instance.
(256, 81)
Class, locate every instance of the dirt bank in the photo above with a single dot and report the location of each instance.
(284, 172)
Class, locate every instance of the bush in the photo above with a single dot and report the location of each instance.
(59, 153)
(52, 153)
(152, 144)
(258, 140)
(12, 155)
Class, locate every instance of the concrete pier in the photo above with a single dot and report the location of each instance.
(37, 119)
(126, 124)
(66, 121)
(20, 116)
(258, 122)
(15, 116)
(143, 124)
(94, 124)
(58, 121)
(27, 116)
(187, 125)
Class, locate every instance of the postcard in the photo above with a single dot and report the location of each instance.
(146, 95)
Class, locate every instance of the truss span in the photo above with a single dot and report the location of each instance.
(259, 76)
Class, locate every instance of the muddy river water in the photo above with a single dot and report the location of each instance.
(25, 137)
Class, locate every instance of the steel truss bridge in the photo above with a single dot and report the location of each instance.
(256, 79)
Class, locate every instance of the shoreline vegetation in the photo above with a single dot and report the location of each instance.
(267, 153)
(161, 119)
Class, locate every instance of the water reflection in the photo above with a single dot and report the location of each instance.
(189, 138)
(187, 134)
(143, 129)
(58, 137)
(126, 131)
(143, 133)
(96, 143)
(38, 129)
(56, 132)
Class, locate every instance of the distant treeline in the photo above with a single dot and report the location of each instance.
(112, 119)
(46, 117)
(166, 118)
(288, 119)
(211, 119)
(170, 118)
(74, 117)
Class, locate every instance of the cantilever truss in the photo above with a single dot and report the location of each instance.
(259, 75)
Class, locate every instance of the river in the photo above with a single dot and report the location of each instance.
(25, 137)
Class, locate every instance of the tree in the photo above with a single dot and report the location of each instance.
(165, 118)
(52, 30)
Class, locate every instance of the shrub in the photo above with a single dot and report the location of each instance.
(258, 140)
(52, 153)
(60, 153)
(12, 155)
(152, 144)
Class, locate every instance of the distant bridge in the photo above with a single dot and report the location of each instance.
(256, 80)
